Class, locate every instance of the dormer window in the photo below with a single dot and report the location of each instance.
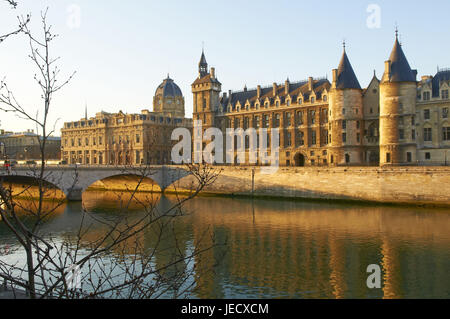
(444, 94)
(277, 103)
(266, 104)
(300, 101)
(313, 100)
(288, 102)
(325, 98)
(426, 96)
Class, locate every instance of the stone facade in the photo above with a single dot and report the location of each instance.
(26, 146)
(337, 123)
(127, 139)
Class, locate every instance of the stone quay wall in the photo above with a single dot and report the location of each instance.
(401, 185)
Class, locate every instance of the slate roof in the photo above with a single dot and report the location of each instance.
(346, 76)
(295, 89)
(400, 69)
(441, 76)
(168, 88)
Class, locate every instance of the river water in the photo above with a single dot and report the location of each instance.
(296, 249)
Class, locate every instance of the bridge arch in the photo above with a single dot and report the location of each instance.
(27, 186)
(125, 182)
(74, 180)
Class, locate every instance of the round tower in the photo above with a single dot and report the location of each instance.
(398, 91)
(346, 116)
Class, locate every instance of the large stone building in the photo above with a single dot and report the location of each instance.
(394, 121)
(127, 139)
(25, 146)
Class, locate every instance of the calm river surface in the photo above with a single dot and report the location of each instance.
(287, 249)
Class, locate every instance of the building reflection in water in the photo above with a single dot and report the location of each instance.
(288, 249)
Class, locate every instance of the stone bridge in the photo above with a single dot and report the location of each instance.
(74, 180)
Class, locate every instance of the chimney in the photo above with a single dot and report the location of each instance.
(286, 87)
(310, 83)
(387, 68)
(275, 89)
(213, 73)
(258, 91)
(335, 78)
(415, 74)
(245, 88)
(224, 95)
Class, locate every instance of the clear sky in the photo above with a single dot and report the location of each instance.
(122, 50)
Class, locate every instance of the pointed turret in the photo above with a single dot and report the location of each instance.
(346, 110)
(398, 94)
(203, 66)
(346, 78)
(397, 68)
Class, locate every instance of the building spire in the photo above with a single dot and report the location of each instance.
(346, 77)
(85, 111)
(203, 65)
(399, 69)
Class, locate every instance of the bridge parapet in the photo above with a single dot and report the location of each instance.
(73, 180)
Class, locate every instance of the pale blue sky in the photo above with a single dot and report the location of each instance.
(122, 50)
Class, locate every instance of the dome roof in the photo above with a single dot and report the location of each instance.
(168, 89)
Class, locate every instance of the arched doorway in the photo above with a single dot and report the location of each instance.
(299, 160)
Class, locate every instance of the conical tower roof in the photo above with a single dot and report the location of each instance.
(400, 69)
(346, 78)
(203, 59)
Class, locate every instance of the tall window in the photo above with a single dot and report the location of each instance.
(277, 120)
(288, 119)
(401, 134)
(344, 124)
(445, 113)
(313, 138)
(446, 133)
(257, 124)
(344, 137)
(312, 115)
(426, 114)
(427, 134)
(288, 141)
(301, 136)
(300, 117)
